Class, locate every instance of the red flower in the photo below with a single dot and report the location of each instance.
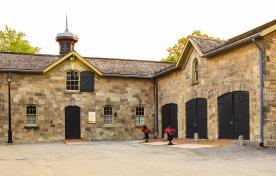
(169, 131)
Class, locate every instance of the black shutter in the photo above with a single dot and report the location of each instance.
(87, 81)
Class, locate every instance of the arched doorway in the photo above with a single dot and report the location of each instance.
(72, 122)
(233, 115)
(196, 118)
(169, 117)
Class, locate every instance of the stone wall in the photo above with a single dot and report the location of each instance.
(236, 70)
(270, 89)
(47, 91)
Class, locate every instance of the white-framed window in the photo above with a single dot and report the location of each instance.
(108, 115)
(72, 80)
(31, 114)
(195, 70)
(140, 115)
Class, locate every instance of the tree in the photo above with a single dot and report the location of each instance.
(176, 50)
(13, 41)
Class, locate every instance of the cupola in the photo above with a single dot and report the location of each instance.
(66, 40)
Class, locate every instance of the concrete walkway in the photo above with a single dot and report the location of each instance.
(130, 158)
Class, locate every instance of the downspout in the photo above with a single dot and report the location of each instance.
(155, 92)
(261, 52)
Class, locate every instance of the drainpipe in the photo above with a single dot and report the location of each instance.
(261, 52)
(155, 92)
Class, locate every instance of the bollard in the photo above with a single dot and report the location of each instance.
(195, 137)
(241, 140)
(165, 136)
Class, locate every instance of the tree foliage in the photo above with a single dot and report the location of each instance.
(176, 50)
(13, 41)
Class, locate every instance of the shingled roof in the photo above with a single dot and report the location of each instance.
(206, 44)
(25, 62)
(107, 66)
(240, 39)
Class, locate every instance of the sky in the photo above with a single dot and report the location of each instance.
(131, 29)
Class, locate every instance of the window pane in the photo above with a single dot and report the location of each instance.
(196, 76)
(72, 80)
(31, 119)
(139, 120)
(31, 114)
(107, 119)
(107, 115)
(107, 110)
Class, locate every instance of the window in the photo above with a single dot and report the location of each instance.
(195, 75)
(107, 115)
(72, 80)
(65, 47)
(140, 116)
(31, 114)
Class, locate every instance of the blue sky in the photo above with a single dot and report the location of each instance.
(138, 29)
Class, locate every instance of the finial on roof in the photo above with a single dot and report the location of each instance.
(66, 29)
(66, 39)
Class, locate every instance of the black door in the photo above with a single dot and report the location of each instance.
(169, 117)
(241, 114)
(233, 112)
(72, 122)
(201, 115)
(196, 118)
(191, 118)
(225, 109)
(165, 117)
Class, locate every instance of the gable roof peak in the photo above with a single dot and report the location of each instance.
(205, 38)
(205, 44)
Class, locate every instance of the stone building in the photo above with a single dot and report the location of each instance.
(224, 89)
(218, 89)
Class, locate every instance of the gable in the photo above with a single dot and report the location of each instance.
(185, 55)
(68, 56)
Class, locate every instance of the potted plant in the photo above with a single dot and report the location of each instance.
(170, 134)
(146, 132)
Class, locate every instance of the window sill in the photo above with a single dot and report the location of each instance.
(139, 126)
(31, 127)
(195, 83)
(72, 92)
(107, 125)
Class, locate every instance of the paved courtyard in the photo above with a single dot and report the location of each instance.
(130, 158)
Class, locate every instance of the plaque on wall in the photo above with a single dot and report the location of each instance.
(91, 117)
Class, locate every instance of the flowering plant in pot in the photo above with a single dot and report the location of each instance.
(146, 132)
(170, 133)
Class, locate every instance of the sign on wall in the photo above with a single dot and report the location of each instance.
(91, 117)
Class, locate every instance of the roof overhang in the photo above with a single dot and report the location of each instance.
(237, 43)
(76, 56)
(224, 48)
(268, 30)
(14, 70)
(186, 53)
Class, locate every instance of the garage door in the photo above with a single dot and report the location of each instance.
(169, 117)
(233, 115)
(196, 118)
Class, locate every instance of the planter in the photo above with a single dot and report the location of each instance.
(170, 138)
(146, 137)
